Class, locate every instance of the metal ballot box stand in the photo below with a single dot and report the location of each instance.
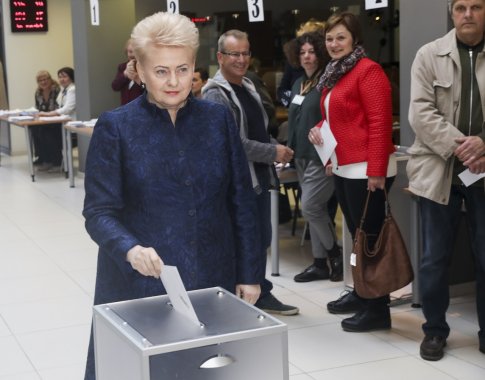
(146, 339)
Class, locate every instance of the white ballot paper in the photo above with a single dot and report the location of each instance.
(467, 177)
(176, 292)
(329, 143)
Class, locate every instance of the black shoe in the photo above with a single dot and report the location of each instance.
(482, 348)
(348, 303)
(271, 304)
(335, 258)
(313, 273)
(432, 347)
(368, 320)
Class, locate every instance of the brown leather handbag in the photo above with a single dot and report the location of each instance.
(386, 267)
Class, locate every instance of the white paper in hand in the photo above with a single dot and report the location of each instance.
(329, 143)
(176, 292)
(467, 177)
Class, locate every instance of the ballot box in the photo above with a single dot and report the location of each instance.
(148, 339)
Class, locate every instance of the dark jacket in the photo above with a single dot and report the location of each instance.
(184, 190)
(302, 118)
(122, 84)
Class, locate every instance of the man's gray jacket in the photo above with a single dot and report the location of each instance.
(219, 90)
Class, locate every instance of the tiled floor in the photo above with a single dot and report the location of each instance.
(47, 271)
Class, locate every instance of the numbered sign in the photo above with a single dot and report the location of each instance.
(94, 7)
(373, 4)
(173, 6)
(255, 10)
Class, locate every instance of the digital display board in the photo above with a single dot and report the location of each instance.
(28, 15)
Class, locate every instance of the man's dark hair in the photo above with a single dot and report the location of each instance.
(204, 74)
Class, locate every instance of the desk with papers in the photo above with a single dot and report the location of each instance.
(85, 128)
(27, 122)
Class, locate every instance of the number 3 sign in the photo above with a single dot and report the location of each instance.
(255, 10)
(173, 6)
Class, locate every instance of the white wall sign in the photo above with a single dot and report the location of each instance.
(173, 6)
(255, 10)
(94, 8)
(373, 4)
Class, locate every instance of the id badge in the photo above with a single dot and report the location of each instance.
(298, 99)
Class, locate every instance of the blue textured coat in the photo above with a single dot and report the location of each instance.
(184, 190)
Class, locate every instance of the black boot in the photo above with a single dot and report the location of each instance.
(369, 319)
(350, 302)
(335, 257)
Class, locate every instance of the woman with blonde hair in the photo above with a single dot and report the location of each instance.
(47, 138)
(167, 181)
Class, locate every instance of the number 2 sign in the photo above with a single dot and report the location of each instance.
(173, 6)
(255, 10)
(373, 4)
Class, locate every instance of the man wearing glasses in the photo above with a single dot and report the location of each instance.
(230, 87)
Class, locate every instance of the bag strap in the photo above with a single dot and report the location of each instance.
(364, 214)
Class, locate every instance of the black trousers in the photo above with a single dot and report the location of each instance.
(351, 195)
(48, 143)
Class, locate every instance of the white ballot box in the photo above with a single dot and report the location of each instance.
(146, 339)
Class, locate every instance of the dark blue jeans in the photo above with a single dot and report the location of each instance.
(439, 228)
(263, 201)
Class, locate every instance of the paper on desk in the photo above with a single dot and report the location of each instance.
(176, 292)
(76, 124)
(467, 177)
(91, 123)
(53, 118)
(20, 118)
(329, 143)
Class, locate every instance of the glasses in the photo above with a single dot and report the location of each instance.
(236, 54)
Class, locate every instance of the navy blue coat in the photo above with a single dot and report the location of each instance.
(184, 190)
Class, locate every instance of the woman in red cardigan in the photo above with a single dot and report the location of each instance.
(356, 103)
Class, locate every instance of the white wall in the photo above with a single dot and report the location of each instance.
(27, 53)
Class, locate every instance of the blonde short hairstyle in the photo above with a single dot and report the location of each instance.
(310, 26)
(164, 29)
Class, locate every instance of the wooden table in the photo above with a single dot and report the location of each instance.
(67, 132)
(27, 125)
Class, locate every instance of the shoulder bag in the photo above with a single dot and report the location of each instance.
(384, 268)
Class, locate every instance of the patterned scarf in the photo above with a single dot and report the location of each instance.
(337, 68)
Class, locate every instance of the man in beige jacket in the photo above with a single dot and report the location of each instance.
(446, 112)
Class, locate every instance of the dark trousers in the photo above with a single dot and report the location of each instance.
(351, 195)
(263, 202)
(48, 143)
(439, 225)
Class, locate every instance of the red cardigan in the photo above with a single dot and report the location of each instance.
(361, 117)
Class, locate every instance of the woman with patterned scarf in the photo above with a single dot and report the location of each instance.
(308, 52)
(356, 103)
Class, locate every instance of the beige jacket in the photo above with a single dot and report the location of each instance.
(433, 113)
